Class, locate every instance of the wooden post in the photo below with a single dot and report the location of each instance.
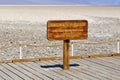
(66, 54)
(21, 54)
(118, 47)
(72, 49)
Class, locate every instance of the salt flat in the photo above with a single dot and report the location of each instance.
(40, 13)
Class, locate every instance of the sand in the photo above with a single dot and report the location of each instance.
(27, 24)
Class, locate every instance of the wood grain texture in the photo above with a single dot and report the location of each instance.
(102, 68)
(66, 59)
(67, 29)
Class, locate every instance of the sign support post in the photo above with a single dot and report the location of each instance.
(66, 59)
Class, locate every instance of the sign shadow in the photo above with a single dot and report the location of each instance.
(57, 66)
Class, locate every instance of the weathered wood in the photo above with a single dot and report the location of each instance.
(66, 59)
(93, 70)
(5, 76)
(111, 60)
(114, 73)
(86, 73)
(68, 75)
(44, 73)
(54, 70)
(107, 64)
(72, 74)
(1, 78)
(67, 29)
(59, 58)
(23, 76)
(22, 70)
(37, 76)
(87, 69)
(34, 71)
(10, 73)
(109, 73)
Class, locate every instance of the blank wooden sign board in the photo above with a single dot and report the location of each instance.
(67, 30)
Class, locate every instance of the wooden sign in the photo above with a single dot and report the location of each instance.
(67, 29)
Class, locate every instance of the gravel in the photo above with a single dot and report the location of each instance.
(25, 32)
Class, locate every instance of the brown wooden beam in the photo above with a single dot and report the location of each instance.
(59, 58)
(66, 59)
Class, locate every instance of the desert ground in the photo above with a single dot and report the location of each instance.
(28, 25)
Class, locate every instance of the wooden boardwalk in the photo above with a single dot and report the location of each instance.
(105, 68)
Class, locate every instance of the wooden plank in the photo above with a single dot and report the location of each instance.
(37, 76)
(80, 73)
(5, 76)
(22, 75)
(116, 59)
(86, 75)
(108, 70)
(89, 69)
(27, 73)
(36, 59)
(100, 64)
(53, 70)
(66, 73)
(88, 72)
(10, 73)
(92, 71)
(41, 71)
(48, 72)
(111, 60)
(69, 73)
(99, 68)
(25, 60)
(104, 63)
(91, 74)
(56, 58)
(1, 78)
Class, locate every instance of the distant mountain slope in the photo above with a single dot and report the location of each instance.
(59, 2)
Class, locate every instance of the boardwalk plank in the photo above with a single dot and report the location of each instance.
(23, 71)
(71, 75)
(77, 75)
(103, 66)
(10, 73)
(104, 63)
(37, 76)
(62, 72)
(71, 71)
(5, 76)
(117, 60)
(1, 78)
(67, 73)
(82, 75)
(113, 74)
(92, 70)
(111, 61)
(106, 68)
(41, 71)
(97, 68)
(22, 75)
(53, 70)
(47, 72)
